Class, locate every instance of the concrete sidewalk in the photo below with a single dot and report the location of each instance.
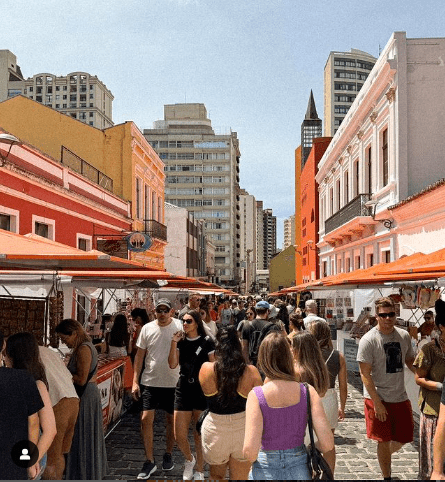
(356, 455)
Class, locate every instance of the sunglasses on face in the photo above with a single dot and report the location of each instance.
(187, 320)
(391, 314)
(162, 310)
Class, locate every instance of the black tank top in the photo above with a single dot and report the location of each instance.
(237, 405)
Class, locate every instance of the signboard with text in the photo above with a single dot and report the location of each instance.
(350, 349)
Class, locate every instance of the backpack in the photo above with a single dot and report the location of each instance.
(256, 337)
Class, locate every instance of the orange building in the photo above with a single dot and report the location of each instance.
(306, 205)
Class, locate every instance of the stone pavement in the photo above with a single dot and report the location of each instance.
(356, 455)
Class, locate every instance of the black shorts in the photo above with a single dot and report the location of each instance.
(189, 397)
(154, 398)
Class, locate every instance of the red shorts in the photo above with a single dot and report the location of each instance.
(398, 427)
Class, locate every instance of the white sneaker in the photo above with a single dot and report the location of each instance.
(198, 476)
(188, 469)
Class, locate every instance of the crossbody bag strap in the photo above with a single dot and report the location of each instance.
(329, 357)
(309, 417)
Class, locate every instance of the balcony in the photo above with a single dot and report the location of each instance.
(350, 220)
(155, 230)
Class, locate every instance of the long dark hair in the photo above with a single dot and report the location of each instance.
(119, 335)
(196, 315)
(23, 350)
(229, 364)
(142, 313)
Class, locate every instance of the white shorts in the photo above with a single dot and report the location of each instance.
(330, 405)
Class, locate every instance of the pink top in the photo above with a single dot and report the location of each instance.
(283, 428)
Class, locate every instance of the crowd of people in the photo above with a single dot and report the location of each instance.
(241, 373)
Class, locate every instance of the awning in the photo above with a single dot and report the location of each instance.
(37, 253)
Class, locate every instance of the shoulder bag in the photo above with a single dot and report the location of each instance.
(318, 467)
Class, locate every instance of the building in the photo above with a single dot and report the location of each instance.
(202, 175)
(281, 271)
(310, 128)
(388, 148)
(344, 75)
(40, 196)
(308, 188)
(297, 243)
(289, 232)
(78, 94)
(186, 252)
(248, 239)
(270, 236)
(117, 158)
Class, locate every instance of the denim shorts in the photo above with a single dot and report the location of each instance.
(290, 464)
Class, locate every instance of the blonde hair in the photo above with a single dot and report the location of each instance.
(384, 302)
(310, 362)
(275, 358)
(322, 333)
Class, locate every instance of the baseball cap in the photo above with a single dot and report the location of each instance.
(163, 302)
(262, 305)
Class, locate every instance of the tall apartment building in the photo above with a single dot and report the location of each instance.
(344, 75)
(310, 128)
(202, 175)
(248, 238)
(289, 232)
(270, 236)
(260, 238)
(78, 94)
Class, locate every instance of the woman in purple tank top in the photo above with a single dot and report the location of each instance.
(276, 418)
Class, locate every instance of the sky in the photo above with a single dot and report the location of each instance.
(252, 63)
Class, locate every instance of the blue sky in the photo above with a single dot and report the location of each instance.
(251, 62)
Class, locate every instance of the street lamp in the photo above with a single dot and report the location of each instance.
(10, 140)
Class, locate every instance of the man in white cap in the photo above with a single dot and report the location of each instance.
(158, 381)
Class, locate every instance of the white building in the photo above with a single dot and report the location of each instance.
(188, 252)
(289, 232)
(248, 240)
(202, 175)
(344, 75)
(78, 94)
(389, 146)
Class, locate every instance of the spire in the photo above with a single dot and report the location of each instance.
(311, 113)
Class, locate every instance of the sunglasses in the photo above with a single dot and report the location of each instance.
(391, 314)
(187, 320)
(162, 310)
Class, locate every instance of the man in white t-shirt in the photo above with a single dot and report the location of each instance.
(311, 313)
(157, 382)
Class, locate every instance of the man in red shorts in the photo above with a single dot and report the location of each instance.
(382, 353)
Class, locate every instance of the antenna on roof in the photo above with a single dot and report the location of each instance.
(380, 50)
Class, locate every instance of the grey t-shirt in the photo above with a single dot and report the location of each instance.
(387, 355)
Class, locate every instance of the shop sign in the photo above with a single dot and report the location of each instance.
(350, 349)
(138, 242)
(113, 247)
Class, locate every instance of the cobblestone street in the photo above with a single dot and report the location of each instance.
(356, 455)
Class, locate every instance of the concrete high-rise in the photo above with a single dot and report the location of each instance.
(344, 75)
(289, 232)
(78, 94)
(248, 238)
(270, 236)
(202, 175)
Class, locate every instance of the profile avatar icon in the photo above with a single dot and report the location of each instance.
(25, 454)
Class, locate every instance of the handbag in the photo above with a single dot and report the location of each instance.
(201, 418)
(318, 467)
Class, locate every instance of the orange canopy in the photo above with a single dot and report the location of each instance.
(34, 252)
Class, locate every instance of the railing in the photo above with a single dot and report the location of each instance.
(353, 209)
(77, 164)
(155, 229)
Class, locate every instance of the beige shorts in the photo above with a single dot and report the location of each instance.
(223, 437)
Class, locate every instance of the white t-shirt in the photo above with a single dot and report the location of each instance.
(156, 340)
(310, 318)
(60, 380)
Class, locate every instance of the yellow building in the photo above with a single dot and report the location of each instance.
(119, 158)
(282, 270)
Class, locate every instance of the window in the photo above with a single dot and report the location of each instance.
(138, 198)
(385, 161)
(357, 262)
(84, 243)
(370, 260)
(41, 229)
(153, 205)
(147, 202)
(369, 168)
(356, 180)
(386, 256)
(5, 222)
(346, 188)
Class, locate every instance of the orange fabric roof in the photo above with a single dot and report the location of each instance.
(428, 263)
(35, 252)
